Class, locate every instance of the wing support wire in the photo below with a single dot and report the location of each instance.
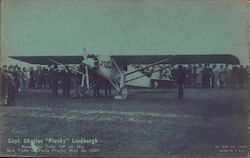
(156, 63)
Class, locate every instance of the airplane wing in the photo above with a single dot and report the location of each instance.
(48, 60)
(175, 59)
(135, 59)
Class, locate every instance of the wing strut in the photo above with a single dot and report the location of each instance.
(87, 76)
(83, 75)
(122, 90)
(156, 63)
(117, 67)
(64, 66)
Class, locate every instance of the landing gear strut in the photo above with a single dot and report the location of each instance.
(123, 93)
(121, 88)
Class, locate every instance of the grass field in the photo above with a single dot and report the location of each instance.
(207, 122)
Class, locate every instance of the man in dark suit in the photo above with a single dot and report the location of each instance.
(3, 86)
(107, 87)
(66, 74)
(180, 76)
(96, 88)
(54, 78)
(11, 86)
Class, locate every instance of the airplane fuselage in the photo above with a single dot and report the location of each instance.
(105, 67)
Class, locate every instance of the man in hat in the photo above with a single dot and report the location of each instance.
(180, 75)
(11, 86)
(54, 77)
(3, 86)
(66, 74)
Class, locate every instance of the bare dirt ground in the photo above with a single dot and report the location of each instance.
(206, 123)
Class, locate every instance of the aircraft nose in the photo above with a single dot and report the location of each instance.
(89, 62)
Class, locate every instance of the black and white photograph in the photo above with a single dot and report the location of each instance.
(124, 78)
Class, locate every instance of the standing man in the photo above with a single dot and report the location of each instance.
(32, 78)
(107, 87)
(49, 76)
(211, 76)
(235, 76)
(215, 79)
(222, 76)
(11, 86)
(3, 86)
(24, 77)
(16, 75)
(54, 77)
(66, 81)
(43, 75)
(206, 77)
(241, 76)
(194, 76)
(180, 76)
(96, 88)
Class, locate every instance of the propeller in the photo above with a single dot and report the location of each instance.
(89, 63)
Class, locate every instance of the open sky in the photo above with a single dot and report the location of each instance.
(65, 27)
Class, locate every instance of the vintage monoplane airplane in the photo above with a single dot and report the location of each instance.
(118, 70)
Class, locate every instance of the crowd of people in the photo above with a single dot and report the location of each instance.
(15, 79)
(203, 75)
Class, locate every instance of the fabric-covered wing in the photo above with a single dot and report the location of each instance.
(47, 60)
(175, 59)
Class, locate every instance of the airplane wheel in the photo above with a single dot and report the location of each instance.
(124, 93)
